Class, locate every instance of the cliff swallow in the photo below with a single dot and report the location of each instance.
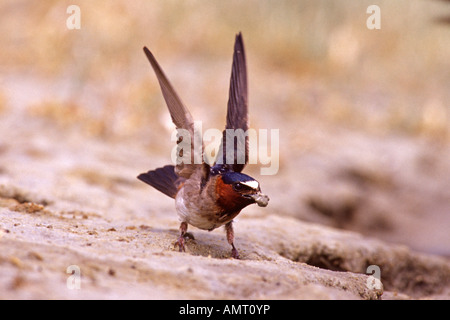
(209, 196)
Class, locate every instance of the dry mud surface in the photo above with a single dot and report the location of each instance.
(364, 153)
(70, 201)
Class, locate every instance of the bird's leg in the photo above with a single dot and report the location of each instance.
(180, 242)
(230, 239)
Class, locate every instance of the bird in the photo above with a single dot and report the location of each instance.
(209, 195)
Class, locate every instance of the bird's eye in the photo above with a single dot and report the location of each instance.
(238, 186)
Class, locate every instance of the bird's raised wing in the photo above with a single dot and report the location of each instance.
(235, 156)
(188, 157)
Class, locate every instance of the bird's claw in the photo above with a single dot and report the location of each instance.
(180, 244)
(234, 253)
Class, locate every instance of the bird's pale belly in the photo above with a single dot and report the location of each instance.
(196, 215)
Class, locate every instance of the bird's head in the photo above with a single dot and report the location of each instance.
(237, 190)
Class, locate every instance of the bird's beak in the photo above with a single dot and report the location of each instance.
(261, 199)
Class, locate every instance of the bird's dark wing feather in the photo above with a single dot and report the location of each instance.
(182, 119)
(237, 113)
(163, 179)
(181, 116)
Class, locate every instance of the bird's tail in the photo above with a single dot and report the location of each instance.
(163, 179)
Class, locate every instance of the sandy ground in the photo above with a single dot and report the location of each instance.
(88, 211)
(364, 155)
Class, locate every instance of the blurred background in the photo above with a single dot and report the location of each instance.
(364, 115)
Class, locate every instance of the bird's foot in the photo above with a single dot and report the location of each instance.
(180, 244)
(234, 253)
(183, 234)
